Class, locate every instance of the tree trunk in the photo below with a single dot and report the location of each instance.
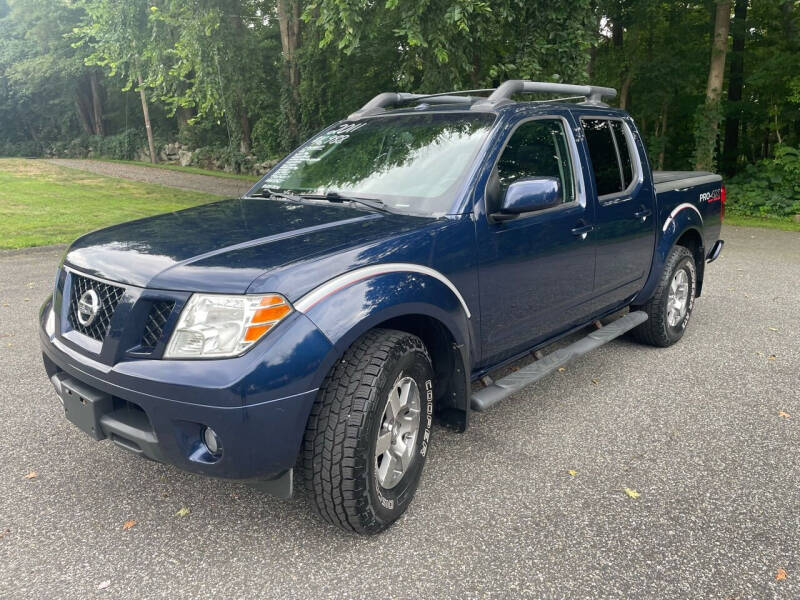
(83, 116)
(246, 142)
(730, 151)
(662, 152)
(617, 31)
(151, 144)
(788, 23)
(97, 104)
(289, 23)
(183, 115)
(625, 89)
(708, 121)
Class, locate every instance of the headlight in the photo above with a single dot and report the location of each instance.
(216, 326)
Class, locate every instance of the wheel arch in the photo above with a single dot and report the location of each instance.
(692, 240)
(416, 303)
(685, 229)
(451, 394)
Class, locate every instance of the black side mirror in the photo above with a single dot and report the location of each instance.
(528, 195)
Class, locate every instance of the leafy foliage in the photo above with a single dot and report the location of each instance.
(770, 187)
(247, 80)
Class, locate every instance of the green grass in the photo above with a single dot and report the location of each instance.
(765, 222)
(43, 204)
(195, 170)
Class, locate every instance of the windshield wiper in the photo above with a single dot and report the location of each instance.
(268, 193)
(372, 203)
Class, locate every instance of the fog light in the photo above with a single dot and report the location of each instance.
(212, 441)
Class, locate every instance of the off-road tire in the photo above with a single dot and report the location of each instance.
(657, 331)
(338, 454)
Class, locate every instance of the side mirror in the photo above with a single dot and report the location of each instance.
(527, 195)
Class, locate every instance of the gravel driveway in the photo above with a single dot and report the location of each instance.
(222, 186)
(707, 432)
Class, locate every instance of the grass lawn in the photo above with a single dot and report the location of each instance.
(195, 170)
(766, 222)
(42, 204)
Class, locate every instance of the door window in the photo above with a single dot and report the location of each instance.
(610, 154)
(538, 148)
(624, 153)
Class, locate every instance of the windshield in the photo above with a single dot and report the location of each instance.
(411, 163)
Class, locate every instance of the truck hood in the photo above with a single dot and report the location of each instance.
(224, 246)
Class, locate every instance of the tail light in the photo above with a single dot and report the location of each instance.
(722, 204)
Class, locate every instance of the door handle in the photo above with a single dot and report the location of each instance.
(642, 213)
(582, 231)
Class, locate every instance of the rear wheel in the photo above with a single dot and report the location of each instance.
(671, 306)
(368, 434)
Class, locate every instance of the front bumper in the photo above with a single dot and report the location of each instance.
(258, 403)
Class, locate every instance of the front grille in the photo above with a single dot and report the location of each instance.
(154, 326)
(108, 296)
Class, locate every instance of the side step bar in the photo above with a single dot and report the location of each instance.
(487, 397)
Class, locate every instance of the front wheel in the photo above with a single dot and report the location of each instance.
(368, 434)
(671, 306)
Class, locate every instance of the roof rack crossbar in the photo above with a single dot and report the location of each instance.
(500, 95)
(594, 94)
(381, 101)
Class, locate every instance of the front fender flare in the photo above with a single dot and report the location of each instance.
(348, 306)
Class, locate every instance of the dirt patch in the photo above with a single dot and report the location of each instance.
(26, 167)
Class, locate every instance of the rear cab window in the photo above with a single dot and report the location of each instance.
(611, 155)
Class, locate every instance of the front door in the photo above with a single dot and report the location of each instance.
(625, 227)
(536, 271)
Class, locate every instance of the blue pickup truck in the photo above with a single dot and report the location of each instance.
(371, 283)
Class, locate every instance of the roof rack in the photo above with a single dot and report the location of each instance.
(499, 96)
(381, 101)
(502, 95)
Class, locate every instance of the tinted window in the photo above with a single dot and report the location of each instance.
(604, 156)
(413, 163)
(624, 152)
(537, 149)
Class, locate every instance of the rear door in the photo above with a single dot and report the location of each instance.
(625, 224)
(537, 270)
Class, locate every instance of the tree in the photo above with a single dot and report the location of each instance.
(730, 152)
(289, 20)
(117, 32)
(708, 118)
(46, 77)
(451, 44)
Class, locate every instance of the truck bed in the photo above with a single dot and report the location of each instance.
(666, 181)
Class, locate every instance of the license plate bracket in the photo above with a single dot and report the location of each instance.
(83, 407)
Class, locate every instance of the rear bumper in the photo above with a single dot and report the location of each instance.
(160, 412)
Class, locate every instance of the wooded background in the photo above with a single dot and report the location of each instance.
(712, 84)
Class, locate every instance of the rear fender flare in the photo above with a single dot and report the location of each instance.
(681, 219)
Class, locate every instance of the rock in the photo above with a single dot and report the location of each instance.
(263, 167)
(797, 218)
(184, 157)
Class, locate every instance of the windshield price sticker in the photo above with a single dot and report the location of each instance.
(306, 155)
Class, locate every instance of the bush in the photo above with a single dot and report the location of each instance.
(222, 158)
(266, 143)
(28, 149)
(771, 187)
(121, 146)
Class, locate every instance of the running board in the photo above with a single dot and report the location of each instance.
(487, 397)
